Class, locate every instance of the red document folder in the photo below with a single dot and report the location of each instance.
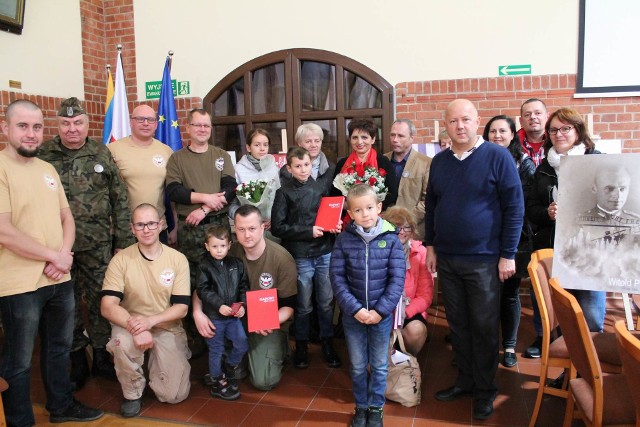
(262, 310)
(330, 212)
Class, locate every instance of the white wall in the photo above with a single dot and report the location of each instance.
(404, 40)
(47, 56)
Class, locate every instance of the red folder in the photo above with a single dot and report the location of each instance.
(330, 212)
(262, 310)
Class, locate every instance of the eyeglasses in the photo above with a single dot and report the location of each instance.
(140, 120)
(199, 126)
(139, 226)
(563, 130)
(405, 228)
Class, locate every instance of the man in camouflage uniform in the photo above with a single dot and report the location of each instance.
(201, 182)
(98, 201)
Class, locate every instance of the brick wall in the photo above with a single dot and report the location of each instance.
(424, 102)
(105, 24)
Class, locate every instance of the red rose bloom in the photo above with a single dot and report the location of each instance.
(382, 172)
(372, 181)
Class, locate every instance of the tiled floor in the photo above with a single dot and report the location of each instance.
(322, 396)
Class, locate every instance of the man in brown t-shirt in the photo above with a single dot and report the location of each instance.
(145, 295)
(268, 266)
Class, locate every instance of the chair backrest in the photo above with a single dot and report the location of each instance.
(630, 355)
(540, 272)
(579, 342)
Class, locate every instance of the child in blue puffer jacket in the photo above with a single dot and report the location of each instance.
(367, 275)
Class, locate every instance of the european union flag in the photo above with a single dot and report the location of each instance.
(168, 130)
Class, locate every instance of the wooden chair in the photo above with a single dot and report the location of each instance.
(3, 387)
(552, 354)
(599, 399)
(629, 346)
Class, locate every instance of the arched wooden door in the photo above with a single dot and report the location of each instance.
(284, 89)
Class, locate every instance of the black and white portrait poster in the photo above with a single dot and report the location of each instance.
(597, 241)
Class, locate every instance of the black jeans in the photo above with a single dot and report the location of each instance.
(510, 311)
(472, 302)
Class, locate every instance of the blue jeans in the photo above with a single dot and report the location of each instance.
(593, 304)
(50, 312)
(231, 329)
(313, 273)
(368, 345)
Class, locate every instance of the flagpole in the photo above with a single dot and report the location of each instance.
(170, 59)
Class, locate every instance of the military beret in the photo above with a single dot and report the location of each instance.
(71, 107)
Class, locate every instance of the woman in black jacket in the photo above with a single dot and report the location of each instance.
(567, 135)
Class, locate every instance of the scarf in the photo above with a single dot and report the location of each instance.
(373, 232)
(407, 251)
(372, 160)
(255, 162)
(554, 158)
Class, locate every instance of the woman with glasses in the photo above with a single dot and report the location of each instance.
(418, 284)
(501, 130)
(567, 135)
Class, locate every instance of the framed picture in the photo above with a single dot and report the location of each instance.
(12, 15)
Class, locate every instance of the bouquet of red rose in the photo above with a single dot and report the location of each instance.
(362, 174)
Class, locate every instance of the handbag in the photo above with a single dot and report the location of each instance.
(404, 379)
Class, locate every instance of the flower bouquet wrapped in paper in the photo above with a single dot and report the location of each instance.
(362, 174)
(258, 193)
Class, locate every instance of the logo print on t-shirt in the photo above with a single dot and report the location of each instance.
(51, 182)
(158, 160)
(220, 163)
(166, 277)
(266, 281)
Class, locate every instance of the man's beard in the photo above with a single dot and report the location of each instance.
(28, 153)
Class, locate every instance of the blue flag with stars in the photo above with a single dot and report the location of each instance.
(168, 130)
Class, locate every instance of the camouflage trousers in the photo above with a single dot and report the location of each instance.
(87, 274)
(191, 244)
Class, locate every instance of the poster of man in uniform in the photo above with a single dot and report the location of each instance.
(597, 242)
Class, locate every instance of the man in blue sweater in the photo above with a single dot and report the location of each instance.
(474, 211)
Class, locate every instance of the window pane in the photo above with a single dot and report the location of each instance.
(378, 143)
(318, 86)
(231, 102)
(275, 133)
(358, 93)
(267, 89)
(330, 139)
(230, 138)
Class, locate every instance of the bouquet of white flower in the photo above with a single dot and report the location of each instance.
(258, 193)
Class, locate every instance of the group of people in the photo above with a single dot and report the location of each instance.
(88, 224)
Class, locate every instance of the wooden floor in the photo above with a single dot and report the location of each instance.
(320, 396)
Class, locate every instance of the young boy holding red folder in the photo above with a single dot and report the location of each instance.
(293, 220)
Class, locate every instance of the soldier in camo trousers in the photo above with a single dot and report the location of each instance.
(98, 201)
(201, 182)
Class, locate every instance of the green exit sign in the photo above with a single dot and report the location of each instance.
(514, 70)
(152, 89)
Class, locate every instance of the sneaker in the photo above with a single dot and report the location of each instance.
(375, 417)
(230, 372)
(76, 412)
(207, 380)
(534, 350)
(222, 389)
(131, 408)
(301, 356)
(330, 355)
(509, 359)
(102, 364)
(79, 369)
(360, 418)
